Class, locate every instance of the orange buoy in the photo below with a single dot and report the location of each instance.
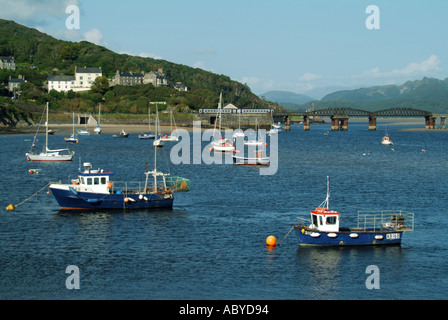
(210, 149)
(271, 241)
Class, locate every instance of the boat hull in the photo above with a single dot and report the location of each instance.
(309, 237)
(264, 161)
(69, 199)
(49, 157)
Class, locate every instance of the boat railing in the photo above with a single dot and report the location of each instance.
(386, 219)
(303, 222)
(128, 186)
(172, 184)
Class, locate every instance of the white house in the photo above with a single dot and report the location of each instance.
(81, 81)
(61, 83)
(85, 76)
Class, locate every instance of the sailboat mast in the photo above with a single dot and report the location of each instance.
(328, 192)
(220, 116)
(46, 132)
(155, 150)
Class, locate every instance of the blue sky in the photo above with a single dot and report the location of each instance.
(304, 46)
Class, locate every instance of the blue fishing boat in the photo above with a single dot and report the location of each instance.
(94, 189)
(374, 227)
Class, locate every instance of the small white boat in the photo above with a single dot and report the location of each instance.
(47, 154)
(254, 142)
(220, 144)
(170, 137)
(223, 145)
(123, 134)
(97, 130)
(148, 135)
(74, 137)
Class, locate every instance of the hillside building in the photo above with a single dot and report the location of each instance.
(81, 81)
(7, 63)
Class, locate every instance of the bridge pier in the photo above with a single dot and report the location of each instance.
(442, 122)
(306, 123)
(339, 123)
(372, 123)
(430, 122)
(287, 124)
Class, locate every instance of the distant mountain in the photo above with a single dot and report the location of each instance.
(427, 94)
(427, 88)
(321, 92)
(288, 100)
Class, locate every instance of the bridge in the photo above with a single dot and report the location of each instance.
(340, 116)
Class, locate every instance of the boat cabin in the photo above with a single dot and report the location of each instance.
(324, 219)
(93, 180)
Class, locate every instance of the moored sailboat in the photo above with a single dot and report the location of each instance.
(147, 135)
(220, 144)
(172, 135)
(97, 129)
(48, 154)
(74, 137)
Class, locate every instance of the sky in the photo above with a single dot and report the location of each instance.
(309, 47)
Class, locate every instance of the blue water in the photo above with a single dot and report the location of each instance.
(211, 245)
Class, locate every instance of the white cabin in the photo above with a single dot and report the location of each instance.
(96, 181)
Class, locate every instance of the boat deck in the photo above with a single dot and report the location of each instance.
(374, 221)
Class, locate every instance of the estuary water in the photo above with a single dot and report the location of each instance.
(211, 245)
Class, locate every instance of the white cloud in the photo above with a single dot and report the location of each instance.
(34, 12)
(95, 36)
(202, 65)
(258, 84)
(310, 77)
(430, 66)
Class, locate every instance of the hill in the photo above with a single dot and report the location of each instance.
(427, 94)
(38, 55)
(427, 88)
(289, 100)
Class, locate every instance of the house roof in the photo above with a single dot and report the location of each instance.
(7, 59)
(87, 70)
(61, 78)
(129, 74)
(16, 80)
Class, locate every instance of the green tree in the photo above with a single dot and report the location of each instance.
(100, 85)
(67, 53)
